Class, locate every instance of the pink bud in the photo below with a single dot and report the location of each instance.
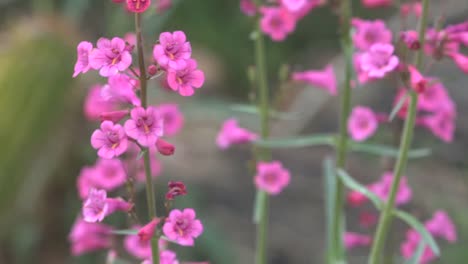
(152, 70)
(410, 38)
(114, 116)
(417, 81)
(138, 6)
(175, 189)
(355, 198)
(147, 232)
(165, 148)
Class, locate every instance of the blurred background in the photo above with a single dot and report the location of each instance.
(45, 137)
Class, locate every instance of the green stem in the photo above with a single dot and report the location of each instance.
(336, 253)
(150, 198)
(386, 216)
(262, 153)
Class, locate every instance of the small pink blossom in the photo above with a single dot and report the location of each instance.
(277, 22)
(324, 79)
(145, 126)
(417, 81)
(130, 39)
(271, 177)
(411, 39)
(114, 116)
(440, 225)
(110, 140)
(408, 8)
(138, 248)
(441, 124)
(185, 79)
(121, 88)
(379, 60)
(110, 56)
(355, 198)
(461, 61)
(88, 237)
(294, 5)
(182, 227)
(173, 118)
(83, 50)
(410, 245)
(435, 97)
(352, 240)
(362, 123)
(376, 3)
(165, 148)
(175, 189)
(109, 174)
(231, 134)
(95, 207)
(370, 32)
(248, 7)
(95, 104)
(138, 6)
(165, 257)
(382, 189)
(146, 233)
(86, 181)
(173, 50)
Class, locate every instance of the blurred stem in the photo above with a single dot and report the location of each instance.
(386, 216)
(151, 200)
(263, 154)
(336, 253)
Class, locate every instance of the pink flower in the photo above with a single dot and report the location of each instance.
(461, 61)
(121, 88)
(88, 237)
(175, 189)
(110, 56)
(138, 248)
(130, 39)
(376, 3)
(355, 198)
(379, 60)
(145, 126)
(231, 133)
(435, 97)
(182, 227)
(408, 8)
(86, 181)
(83, 50)
(324, 79)
(248, 7)
(441, 124)
(95, 207)
(411, 39)
(294, 5)
(277, 22)
(186, 78)
(138, 6)
(417, 80)
(173, 50)
(173, 118)
(382, 189)
(370, 32)
(95, 104)
(110, 140)
(165, 148)
(352, 240)
(146, 233)
(109, 174)
(440, 225)
(114, 116)
(362, 123)
(410, 245)
(165, 257)
(271, 177)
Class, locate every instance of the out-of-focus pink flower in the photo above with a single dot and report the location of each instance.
(376, 3)
(175, 189)
(165, 257)
(173, 118)
(362, 123)
(95, 207)
(352, 240)
(183, 227)
(165, 148)
(110, 140)
(441, 124)
(138, 6)
(435, 97)
(324, 79)
(95, 104)
(146, 233)
(248, 7)
(440, 225)
(277, 22)
(417, 80)
(114, 116)
(294, 5)
(370, 32)
(85, 181)
(173, 50)
(186, 78)
(355, 198)
(145, 126)
(411, 39)
(408, 8)
(367, 219)
(163, 5)
(460, 60)
(410, 245)
(83, 50)
(231, 133)
(109, 174)
(110, 56)
(121, 88)
(382, 189)
(88, 237)
(379, 60)
(271, 177)
(130, 38)
(362, 76)
(138, 248)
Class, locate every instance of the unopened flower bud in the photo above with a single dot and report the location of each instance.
(165, 148)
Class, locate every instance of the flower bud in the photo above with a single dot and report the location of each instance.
(165, 148)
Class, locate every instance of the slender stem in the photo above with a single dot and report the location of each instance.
(336, 253)
(386, 216)
(262, 153)
(150, 198)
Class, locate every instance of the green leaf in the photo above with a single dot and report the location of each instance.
(125, 232)
(260, 199)
(418, 254)
(315, 140)
(377, 149)
(354, 185)
(252, 109)
(398, 106)
(418, 226)
(330, 189)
